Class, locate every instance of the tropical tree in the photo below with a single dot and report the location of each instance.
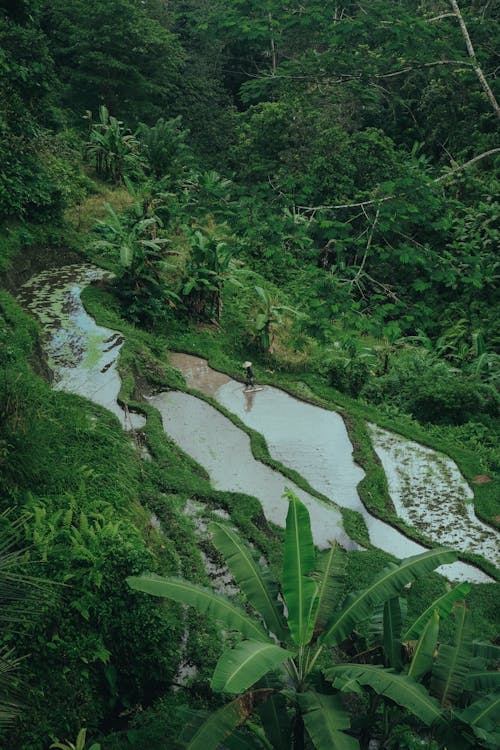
(297, 702)
(144, 285)
(164, 147)
(269, 315)
(112, 149)
(209, 266)
(115, 51)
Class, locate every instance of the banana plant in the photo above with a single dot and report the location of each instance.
(269, 315)
(210, 265)
(112, 149)
(273, 670)
(126, 239)
(81, 743)
(450, 688)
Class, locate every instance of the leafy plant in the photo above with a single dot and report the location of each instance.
(112, 149)
(165, 148)
(209, 266)
(80, 743)
(269, 316)
(318, 616)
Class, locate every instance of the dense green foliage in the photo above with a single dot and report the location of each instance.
(393, 659)
(311, 185)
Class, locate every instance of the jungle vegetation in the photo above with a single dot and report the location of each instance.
(315, 186)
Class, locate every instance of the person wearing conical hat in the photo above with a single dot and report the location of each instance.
(249, 376)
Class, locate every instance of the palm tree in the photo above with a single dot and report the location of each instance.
(318, 617)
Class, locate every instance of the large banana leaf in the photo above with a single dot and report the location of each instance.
(443, 605)
(325, 718)
(393, 625)
(478, 681)
(202, 599)
(423, 655)
(299, 590)
(484, 712)
(398, 687)
(256, 582)
(359, 605)
(245, 740)
(452, 664)
(276, 722)
(331, 573)
(241, 667)
(486, 650)
(222, 723)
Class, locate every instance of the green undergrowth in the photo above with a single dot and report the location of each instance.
(74, 479)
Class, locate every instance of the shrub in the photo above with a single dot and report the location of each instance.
(432, 391)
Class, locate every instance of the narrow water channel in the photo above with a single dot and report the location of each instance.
(83, 357)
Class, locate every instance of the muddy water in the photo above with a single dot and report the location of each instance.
(82, 355)
(311, 440)
(225, 452)
(430, 493)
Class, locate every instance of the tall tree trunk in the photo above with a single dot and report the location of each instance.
(273, 46)
(470, 50)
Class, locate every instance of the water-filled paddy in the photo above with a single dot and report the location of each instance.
(313, 441)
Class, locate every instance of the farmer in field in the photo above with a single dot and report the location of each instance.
(249, 376)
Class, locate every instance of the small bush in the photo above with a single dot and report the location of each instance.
(431, 391)
(449, 400)
(348, 375)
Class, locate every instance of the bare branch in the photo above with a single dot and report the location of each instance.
(347, 77)
(367, 248)
(379, 201)
(443, 15)
(460, 167)
(433, 64)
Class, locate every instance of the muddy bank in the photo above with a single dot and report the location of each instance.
(30, 261)
(33, 259)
